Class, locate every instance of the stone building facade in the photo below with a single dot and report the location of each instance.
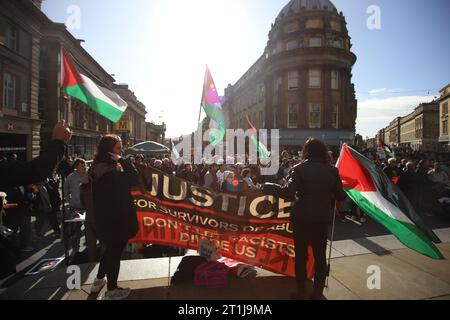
(444, 124)
(302, 82)
(21, 24)
(418, 130)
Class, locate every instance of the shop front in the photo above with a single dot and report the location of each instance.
(17, 136)
(83, 146)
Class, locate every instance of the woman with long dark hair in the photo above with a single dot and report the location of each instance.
(314, 186)
(114, 211)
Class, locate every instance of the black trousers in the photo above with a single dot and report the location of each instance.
(52, 218)
(314, 234)
(110, 263)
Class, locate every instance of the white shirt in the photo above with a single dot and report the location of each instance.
(220, 177)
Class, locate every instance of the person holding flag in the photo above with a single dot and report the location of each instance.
(383, 201)
(315, 187)
(384, 152)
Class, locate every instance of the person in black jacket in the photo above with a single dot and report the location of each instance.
(114, 211)
(315, 187)
(408, 183)
(20, 174)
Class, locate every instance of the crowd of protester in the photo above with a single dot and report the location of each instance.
(424, 178)
(38, 189)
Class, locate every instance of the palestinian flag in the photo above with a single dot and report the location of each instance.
(101, 100)
(260, 147)
(212, 105)
(376, 195)
(387, 151)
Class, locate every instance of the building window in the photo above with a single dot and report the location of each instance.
(275, 122)
(335, 116)
(292, 116)
(9, 91)
(315, 78)
(10, 37)
(291, 45)
(293, 80)
(336, 26)
(445, 127)
(335, 80)
(315, 42)
(445, 109)
(314, 24)
(337, 43)
(261, 93)
(276, 85)
(261, 120)
(314, 115)
(291, 27)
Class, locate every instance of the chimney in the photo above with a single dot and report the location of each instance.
(38, 3)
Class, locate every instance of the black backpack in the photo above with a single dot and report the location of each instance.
(186, 269)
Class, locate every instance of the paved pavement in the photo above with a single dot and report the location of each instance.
(404, 274)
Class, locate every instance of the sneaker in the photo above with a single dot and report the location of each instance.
(117, 294)
(98, 285)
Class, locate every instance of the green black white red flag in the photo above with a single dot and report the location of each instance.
(102, 100)
(264, 154)
(212, 106)
(374, 193)
(388, 153)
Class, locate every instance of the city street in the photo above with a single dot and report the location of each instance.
(149, 277)
(212, 142)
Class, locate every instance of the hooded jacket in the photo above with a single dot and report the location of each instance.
(114, 209)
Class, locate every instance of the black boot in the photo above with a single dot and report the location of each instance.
(301, 293)
(318, 291)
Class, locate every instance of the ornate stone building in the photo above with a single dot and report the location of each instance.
(156, 132)
(21, 24)
(87, 126)
(444, 124)
(302, 82)
(418, 130)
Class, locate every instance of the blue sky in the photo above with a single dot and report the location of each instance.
(160, 48)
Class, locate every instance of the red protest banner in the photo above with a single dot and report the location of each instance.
(249, 226)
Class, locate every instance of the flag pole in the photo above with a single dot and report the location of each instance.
(333, 226)
(331, 245)
(203, 96)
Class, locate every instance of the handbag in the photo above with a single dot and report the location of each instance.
(211, 274)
